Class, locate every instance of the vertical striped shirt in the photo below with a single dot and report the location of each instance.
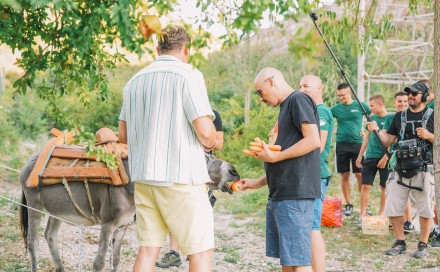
(160, 103)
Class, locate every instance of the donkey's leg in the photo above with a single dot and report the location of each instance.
(118, 236)
(34, 218)
(51, 235)
(106, 234)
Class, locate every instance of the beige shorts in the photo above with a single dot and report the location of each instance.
(397, 195)
(183, 210)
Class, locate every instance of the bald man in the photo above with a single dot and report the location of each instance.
(312, 85)
(292, 175)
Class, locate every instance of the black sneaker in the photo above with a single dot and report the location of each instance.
(348, 209)
(436, 242)
(399, 247)
(171, 258)
(422, 251)
(434, 234)
(408, 227)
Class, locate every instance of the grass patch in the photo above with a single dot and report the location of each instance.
(234, 225)
(232, 254)
(15, 267)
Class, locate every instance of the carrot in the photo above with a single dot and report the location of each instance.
(257, 144)
(236, 186)
(248, 152)
(275, 147)
(271, 147)
(257, 140)
(256, 149)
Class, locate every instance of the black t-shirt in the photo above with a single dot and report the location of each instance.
(218, 121)
(410, 131)
(296, 178)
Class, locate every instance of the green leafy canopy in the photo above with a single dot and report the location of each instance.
(75, 42)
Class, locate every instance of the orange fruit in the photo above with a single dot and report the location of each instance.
(236, 186)
(149, 25)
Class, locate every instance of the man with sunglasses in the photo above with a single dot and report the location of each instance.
(414, 170)
(292, 175)
(349, 116)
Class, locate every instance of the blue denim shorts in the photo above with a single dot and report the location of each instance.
(317, 213)
(289, 231)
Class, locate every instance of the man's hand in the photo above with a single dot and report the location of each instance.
(423, 133)
(253, 183)
(372, 126)
(359, 162)
(383, 162)
(266, 154)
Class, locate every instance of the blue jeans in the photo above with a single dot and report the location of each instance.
(317, 212)
(289, 231)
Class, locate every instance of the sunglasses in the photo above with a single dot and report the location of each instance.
(343, 94)
(258, 91)
(413, 93)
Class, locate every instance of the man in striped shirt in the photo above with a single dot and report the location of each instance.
(166, 119)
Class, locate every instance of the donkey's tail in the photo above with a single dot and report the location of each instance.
(24, 224)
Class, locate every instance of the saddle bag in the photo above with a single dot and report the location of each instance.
(59, 161)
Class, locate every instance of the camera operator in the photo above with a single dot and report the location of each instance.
(414, 130)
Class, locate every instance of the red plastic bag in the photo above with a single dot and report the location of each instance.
(331, 212)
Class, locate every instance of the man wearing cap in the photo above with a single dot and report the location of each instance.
(414, 130)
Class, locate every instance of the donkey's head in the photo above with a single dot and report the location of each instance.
(220, 173)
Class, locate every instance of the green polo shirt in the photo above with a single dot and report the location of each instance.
(325, 123)
(430, 104)
(349, 119)
(389, 120)
(375, 149)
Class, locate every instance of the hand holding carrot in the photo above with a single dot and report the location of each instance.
(257, 146)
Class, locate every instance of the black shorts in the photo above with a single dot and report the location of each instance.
(344, 153)
(369, 170)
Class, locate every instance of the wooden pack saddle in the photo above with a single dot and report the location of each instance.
(60, 161)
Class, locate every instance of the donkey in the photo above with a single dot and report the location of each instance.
(114, 208)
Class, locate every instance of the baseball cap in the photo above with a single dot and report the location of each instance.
(418, 87)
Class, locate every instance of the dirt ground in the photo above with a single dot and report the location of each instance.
(240, 247)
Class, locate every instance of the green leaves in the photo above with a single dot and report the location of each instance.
(71, 42)
(88, 140)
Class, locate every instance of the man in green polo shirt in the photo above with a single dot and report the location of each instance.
(375, 158)
(312, 85)
(349, 117)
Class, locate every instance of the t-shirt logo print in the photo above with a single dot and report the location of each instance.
(322, 121)
(354, 110)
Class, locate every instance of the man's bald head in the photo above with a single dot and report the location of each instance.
(271, 86)
(312, 80)
(312, 85)
(266, 73)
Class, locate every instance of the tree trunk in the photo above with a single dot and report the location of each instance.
(436, 154)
